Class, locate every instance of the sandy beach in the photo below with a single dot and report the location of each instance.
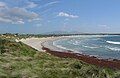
(37, 43)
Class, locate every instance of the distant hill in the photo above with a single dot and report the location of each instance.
(77, 32)
(63, 32)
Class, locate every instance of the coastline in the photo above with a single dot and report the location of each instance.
(37, 43)
(114, 64)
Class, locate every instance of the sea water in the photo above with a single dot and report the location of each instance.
(102, 46)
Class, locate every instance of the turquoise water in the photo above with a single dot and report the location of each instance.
(107, 47)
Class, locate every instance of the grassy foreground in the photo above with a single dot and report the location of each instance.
(18, 60)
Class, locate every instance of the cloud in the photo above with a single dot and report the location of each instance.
(63, 14)
(50, 3)
(2, 5)
(31, 5)
(18, 22)
(16, 15)
(104, 26)
(22, 13)
(4, 20)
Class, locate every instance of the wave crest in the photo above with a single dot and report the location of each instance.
(64, 48)
(113, 42)
(90, 47)
(113, 48)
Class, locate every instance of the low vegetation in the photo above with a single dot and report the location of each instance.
(18, 60)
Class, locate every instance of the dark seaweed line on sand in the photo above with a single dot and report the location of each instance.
(114, 64)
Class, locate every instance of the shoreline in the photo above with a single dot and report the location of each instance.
(37, 43)
(114, 64)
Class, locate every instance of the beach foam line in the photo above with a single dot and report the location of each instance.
(113, 48)
(113, 42)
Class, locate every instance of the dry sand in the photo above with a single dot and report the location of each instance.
(36, 43)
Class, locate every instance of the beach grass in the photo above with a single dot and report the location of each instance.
(18, 60)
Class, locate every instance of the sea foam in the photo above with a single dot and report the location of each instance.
(113, 48)
(113, 42)
(64, 48)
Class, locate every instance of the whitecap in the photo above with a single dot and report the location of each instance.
(65, 48)
(113, 42)
(113, 48)
(76, 43)
(89, 47)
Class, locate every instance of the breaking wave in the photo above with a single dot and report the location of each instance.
(113, 42)
(113, 48)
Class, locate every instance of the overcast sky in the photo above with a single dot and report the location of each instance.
(39, 16)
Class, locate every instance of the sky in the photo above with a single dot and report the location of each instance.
(40, 16)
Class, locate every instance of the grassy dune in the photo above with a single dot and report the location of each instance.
(18, 60)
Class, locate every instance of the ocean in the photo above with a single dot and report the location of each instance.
(101, 46)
